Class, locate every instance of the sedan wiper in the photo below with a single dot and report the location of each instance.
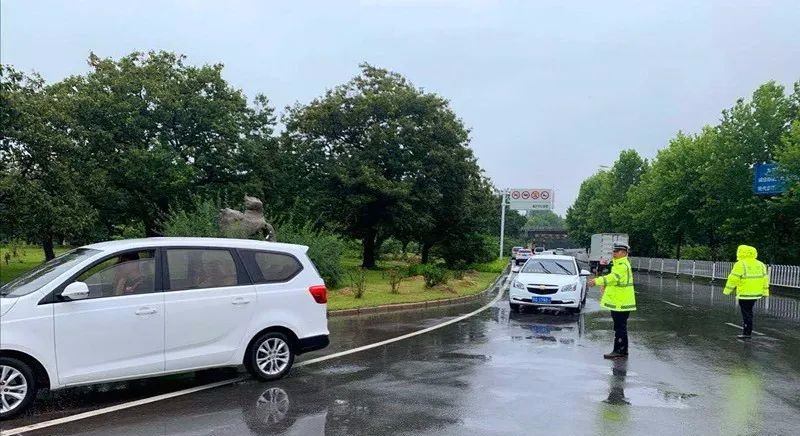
(547, 271)
(560, 266)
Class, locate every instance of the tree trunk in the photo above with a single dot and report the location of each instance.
(713, 245)
(426, 252)
(368, 255)
(47, 246)
(150, 226)
(678, 248)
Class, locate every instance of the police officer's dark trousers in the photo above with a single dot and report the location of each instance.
(620, 331)
(747, 316)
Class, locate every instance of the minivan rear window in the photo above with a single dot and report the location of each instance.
(270, 267)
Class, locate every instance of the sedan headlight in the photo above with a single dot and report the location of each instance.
(518, 284)
(569, 288)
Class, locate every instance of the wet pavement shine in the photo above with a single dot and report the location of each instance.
(496, 373)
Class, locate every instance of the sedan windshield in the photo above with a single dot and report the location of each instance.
(36, 278)
(549, 266)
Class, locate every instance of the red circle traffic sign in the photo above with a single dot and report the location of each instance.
(545, 195)
(525, 195)
(515, 195)
(535, 195)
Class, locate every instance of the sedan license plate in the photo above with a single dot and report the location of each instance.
(541, 300)
(541, 329)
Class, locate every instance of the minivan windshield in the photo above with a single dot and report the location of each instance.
(549, 266)
(45, 273)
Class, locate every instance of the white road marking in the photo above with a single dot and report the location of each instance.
(671, 304)
(123, 406)
(406, 336)
(116, 408)
(739, 327)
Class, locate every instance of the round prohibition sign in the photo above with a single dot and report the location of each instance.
(545, 195)
(525, 195)
(535, 195)
(515, 195)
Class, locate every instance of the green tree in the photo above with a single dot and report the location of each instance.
(156, 131)
(591, 211)
(665, 201)
(597, 208)
(40, 199)
(750, 132)
(544, 219)
(375, 151)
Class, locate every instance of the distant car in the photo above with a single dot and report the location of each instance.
(538, 250)
(149, 307)
(522, 255)
(560, 251)
(514, 251)
(549, 281)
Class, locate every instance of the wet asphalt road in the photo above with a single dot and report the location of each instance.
(498, 373)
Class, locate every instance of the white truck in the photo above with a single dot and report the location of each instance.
(600, 252)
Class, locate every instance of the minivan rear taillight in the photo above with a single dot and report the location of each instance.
(320, 293)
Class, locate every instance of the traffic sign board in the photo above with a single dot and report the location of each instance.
(767, 180)
(531, 199)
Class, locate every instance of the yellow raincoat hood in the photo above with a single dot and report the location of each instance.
(746, 252)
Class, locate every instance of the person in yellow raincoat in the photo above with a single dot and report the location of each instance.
(750, 279)
(618, 297)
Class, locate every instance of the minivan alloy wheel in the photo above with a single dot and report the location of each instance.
(273, 356)
(13, 388)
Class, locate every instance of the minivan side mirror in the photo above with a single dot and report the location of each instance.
(76, 291)
(585, 273)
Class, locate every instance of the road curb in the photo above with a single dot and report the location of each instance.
(417, 305)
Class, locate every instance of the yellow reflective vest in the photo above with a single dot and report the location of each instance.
(749, 277)
(618, 295)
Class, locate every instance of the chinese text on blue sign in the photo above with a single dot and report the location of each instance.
(767, 181)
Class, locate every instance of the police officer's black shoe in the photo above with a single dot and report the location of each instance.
(744, 337)
(615, 355)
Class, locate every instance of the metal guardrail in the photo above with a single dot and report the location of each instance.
(779, 275)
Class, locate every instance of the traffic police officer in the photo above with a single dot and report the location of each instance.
(750, 279)
(619, 297)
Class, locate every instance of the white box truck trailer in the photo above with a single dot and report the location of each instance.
(600, 251)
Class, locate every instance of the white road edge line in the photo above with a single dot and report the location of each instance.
(144, 401)
(739, 327)
(671, 304)
(118, 407)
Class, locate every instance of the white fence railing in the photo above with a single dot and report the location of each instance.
(779, 275)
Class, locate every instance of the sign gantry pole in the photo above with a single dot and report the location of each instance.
(502, 222)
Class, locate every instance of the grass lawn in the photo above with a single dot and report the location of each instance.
(411, 290)
(30, 256)
(377, 291)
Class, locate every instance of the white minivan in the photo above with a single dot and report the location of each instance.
(149, 307)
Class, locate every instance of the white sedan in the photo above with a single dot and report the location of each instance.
(549, 281)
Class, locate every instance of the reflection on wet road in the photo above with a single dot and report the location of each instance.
(504, 373)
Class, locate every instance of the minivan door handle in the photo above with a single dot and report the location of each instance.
(240, 300)
(145, 311)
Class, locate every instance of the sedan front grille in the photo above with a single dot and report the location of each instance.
(542, 289)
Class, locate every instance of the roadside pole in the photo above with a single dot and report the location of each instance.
(502, 222)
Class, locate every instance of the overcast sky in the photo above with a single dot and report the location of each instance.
(551, 90)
